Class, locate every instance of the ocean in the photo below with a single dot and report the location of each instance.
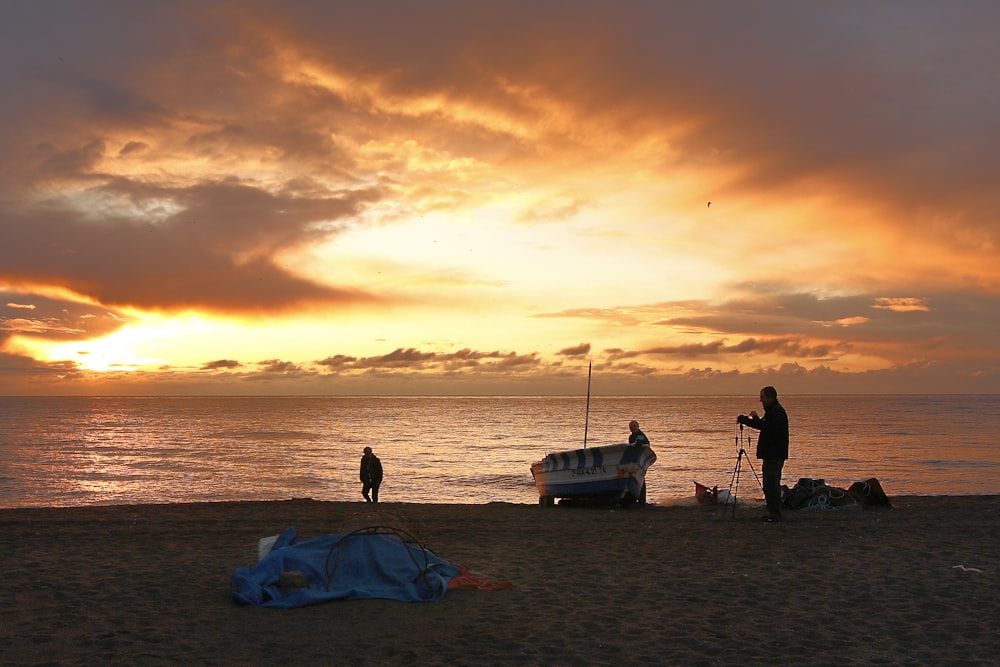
(73, 451)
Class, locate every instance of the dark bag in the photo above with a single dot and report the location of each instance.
(869, 493)
(798, 496)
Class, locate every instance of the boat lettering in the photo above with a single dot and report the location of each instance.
(592, 470)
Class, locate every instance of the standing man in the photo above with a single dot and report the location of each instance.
(371, 475)
(637, 437)
(772, 447)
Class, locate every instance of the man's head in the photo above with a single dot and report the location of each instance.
(368, 450)
(633, 426)
(768, 396)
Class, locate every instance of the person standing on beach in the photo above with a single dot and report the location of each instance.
(637, 437)
(371, 475)
(772, 447)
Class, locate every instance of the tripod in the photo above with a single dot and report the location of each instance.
(734, 482)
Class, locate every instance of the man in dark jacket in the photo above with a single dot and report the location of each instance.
(371, 475)
(772, 447)
(636, 436)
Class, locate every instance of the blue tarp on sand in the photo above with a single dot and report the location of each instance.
(344, 566)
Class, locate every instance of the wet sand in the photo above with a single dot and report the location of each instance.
(679, 585)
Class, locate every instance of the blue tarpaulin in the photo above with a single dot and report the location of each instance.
(344, 566)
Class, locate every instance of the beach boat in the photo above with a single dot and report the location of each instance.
(608, 473)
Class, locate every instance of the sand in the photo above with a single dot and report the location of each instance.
(913, 585)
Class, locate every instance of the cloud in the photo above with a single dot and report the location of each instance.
(337, 362)
(208, 157)
(221, 364)
(410, 359)
(576, 351)
(785, 347)
(770, 322)
(277, 366)
(900, 304)
(848, 112)
(56, 319)
(221, 249)
(434, 373)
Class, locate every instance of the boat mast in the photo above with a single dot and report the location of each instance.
(586, 421)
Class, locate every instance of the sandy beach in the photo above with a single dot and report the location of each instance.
(677, 585)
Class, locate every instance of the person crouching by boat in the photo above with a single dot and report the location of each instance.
(772, 447)
(637, 437)
(371, 475)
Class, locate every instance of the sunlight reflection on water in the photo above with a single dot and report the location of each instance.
(83, 451)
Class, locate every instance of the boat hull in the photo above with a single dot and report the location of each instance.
(611, 472)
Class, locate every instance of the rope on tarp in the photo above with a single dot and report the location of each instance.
(366, 524)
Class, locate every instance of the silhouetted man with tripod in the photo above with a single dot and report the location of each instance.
(772, 447)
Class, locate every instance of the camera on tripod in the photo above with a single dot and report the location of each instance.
(739, 438)
(741, 453)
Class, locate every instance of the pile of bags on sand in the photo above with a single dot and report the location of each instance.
(813, 494)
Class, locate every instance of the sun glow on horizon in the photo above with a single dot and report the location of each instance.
(142, 344)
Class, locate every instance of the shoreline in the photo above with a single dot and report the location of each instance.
(685, 501)
(665, 584)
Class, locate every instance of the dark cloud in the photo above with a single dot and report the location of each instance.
(853, 321)
(617, 354)
(277, 366)
(786, 347)
(221, 364)
(778, 321)
(219, 251)
(852, 97)
(133, 147)
(52, 164)
(801, 97)
(398, 358)
(57, 320)
(337, 362)
(576, 351)
(25, 370)
(106, 100)
(412, 359)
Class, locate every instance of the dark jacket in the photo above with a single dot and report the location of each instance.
(371, 470)
(638, 438)
(773, 426)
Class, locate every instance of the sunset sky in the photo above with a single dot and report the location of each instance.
(482, 197)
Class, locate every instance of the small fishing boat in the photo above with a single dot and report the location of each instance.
(608, 473)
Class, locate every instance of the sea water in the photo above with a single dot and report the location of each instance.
(71, 451)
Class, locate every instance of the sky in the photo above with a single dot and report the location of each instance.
(459, 198)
